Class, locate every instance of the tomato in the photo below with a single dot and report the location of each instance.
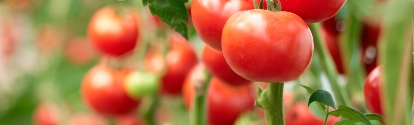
(369, 41)
(87, 119)
(300, 114)
(209, 17)
(112, 34)
(79, 51)
(46, 114)
(179, 60)
(372, 91)
(49, 40)
(217, 65)
(313, 10)
(225, 102)
(330, 35)
(139, 84)
(103, 90)
(128, 120)
(266, 46)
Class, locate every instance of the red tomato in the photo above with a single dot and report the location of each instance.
(330, 33)
(128, 120)
(87, 119)
(300, 114)
(217, 65)
(179, 60)
(46, 114)
(111, 34)
(225, 103)
(49, 40)
(266, 46)
(369, 39)
(79, 51)
(8, 41)
(103, 90)
(313, 10)
(209, 17)
(372, 91)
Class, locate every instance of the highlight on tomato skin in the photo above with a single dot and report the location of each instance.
(217, 65)
(112, 34)
(103, 91)
(290, 46)
(372, 91)
(225, 102)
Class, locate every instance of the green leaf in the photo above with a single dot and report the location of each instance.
(350, 114)
(172, 12)
(346, 122)
(374, 117)
(308, 89)
(322, 96)
(144, 2)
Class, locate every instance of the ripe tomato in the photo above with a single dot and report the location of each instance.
(46, 114)
(179, 60)
(372, 91)
(266, 46)
(79, 51)
(217, 65)
(313, 10)
(111, 34)
(300, 114)
(129, 120)
(225, 102)
(103, 90)
(330, 34)
(209, 17)
(369, 39)
(87, 119)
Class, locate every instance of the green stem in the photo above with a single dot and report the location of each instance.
(271, 100)
(149, 115)
(328, 66)
(327, 115)
(199, 111)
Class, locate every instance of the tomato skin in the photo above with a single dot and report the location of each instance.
(103, 91)
(300, 114)
(217, 65)
(46, 114)
(209, 17)
(112, 34)
(313, 10)
(225, 102)
(249, 36)
(372, 91)
(179, 60)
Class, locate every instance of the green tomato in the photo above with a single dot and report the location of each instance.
(139, 84)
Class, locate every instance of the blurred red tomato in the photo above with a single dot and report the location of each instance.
(330, 34)
(372, 91)
(87, 119)
(103, 90)
(79, 51)
(178, 62)
(300, 114)
(129, 120)
(49, 40)
(7, 40)
(369, 40)
(46, 114)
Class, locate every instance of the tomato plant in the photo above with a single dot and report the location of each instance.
(372, 91)
(283, 37)
(179, 59)
(209, 17)
(111, 34)
(47, 114)
(313, 10)
(225, 102)
(103, 90)
(300, 114)
(217, 65)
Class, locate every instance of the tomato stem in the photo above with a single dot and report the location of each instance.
(328, 66)
(199, 109)
(326, 115)
(149, 114)
(271, 100)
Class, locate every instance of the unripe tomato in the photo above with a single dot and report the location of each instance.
(266, 46)
(217, 65)
(209, 17)
(139, 84)
(111, 34)
(300, 114)
(313, 10)
(179, 60)
(46, 114)
(103, 90)
(372, 91)
(225, 102)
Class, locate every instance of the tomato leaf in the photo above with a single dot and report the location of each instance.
(322, 96)
(346, 122)
(172, 12)
(374, 117)
(351, 115)
(310, 91)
